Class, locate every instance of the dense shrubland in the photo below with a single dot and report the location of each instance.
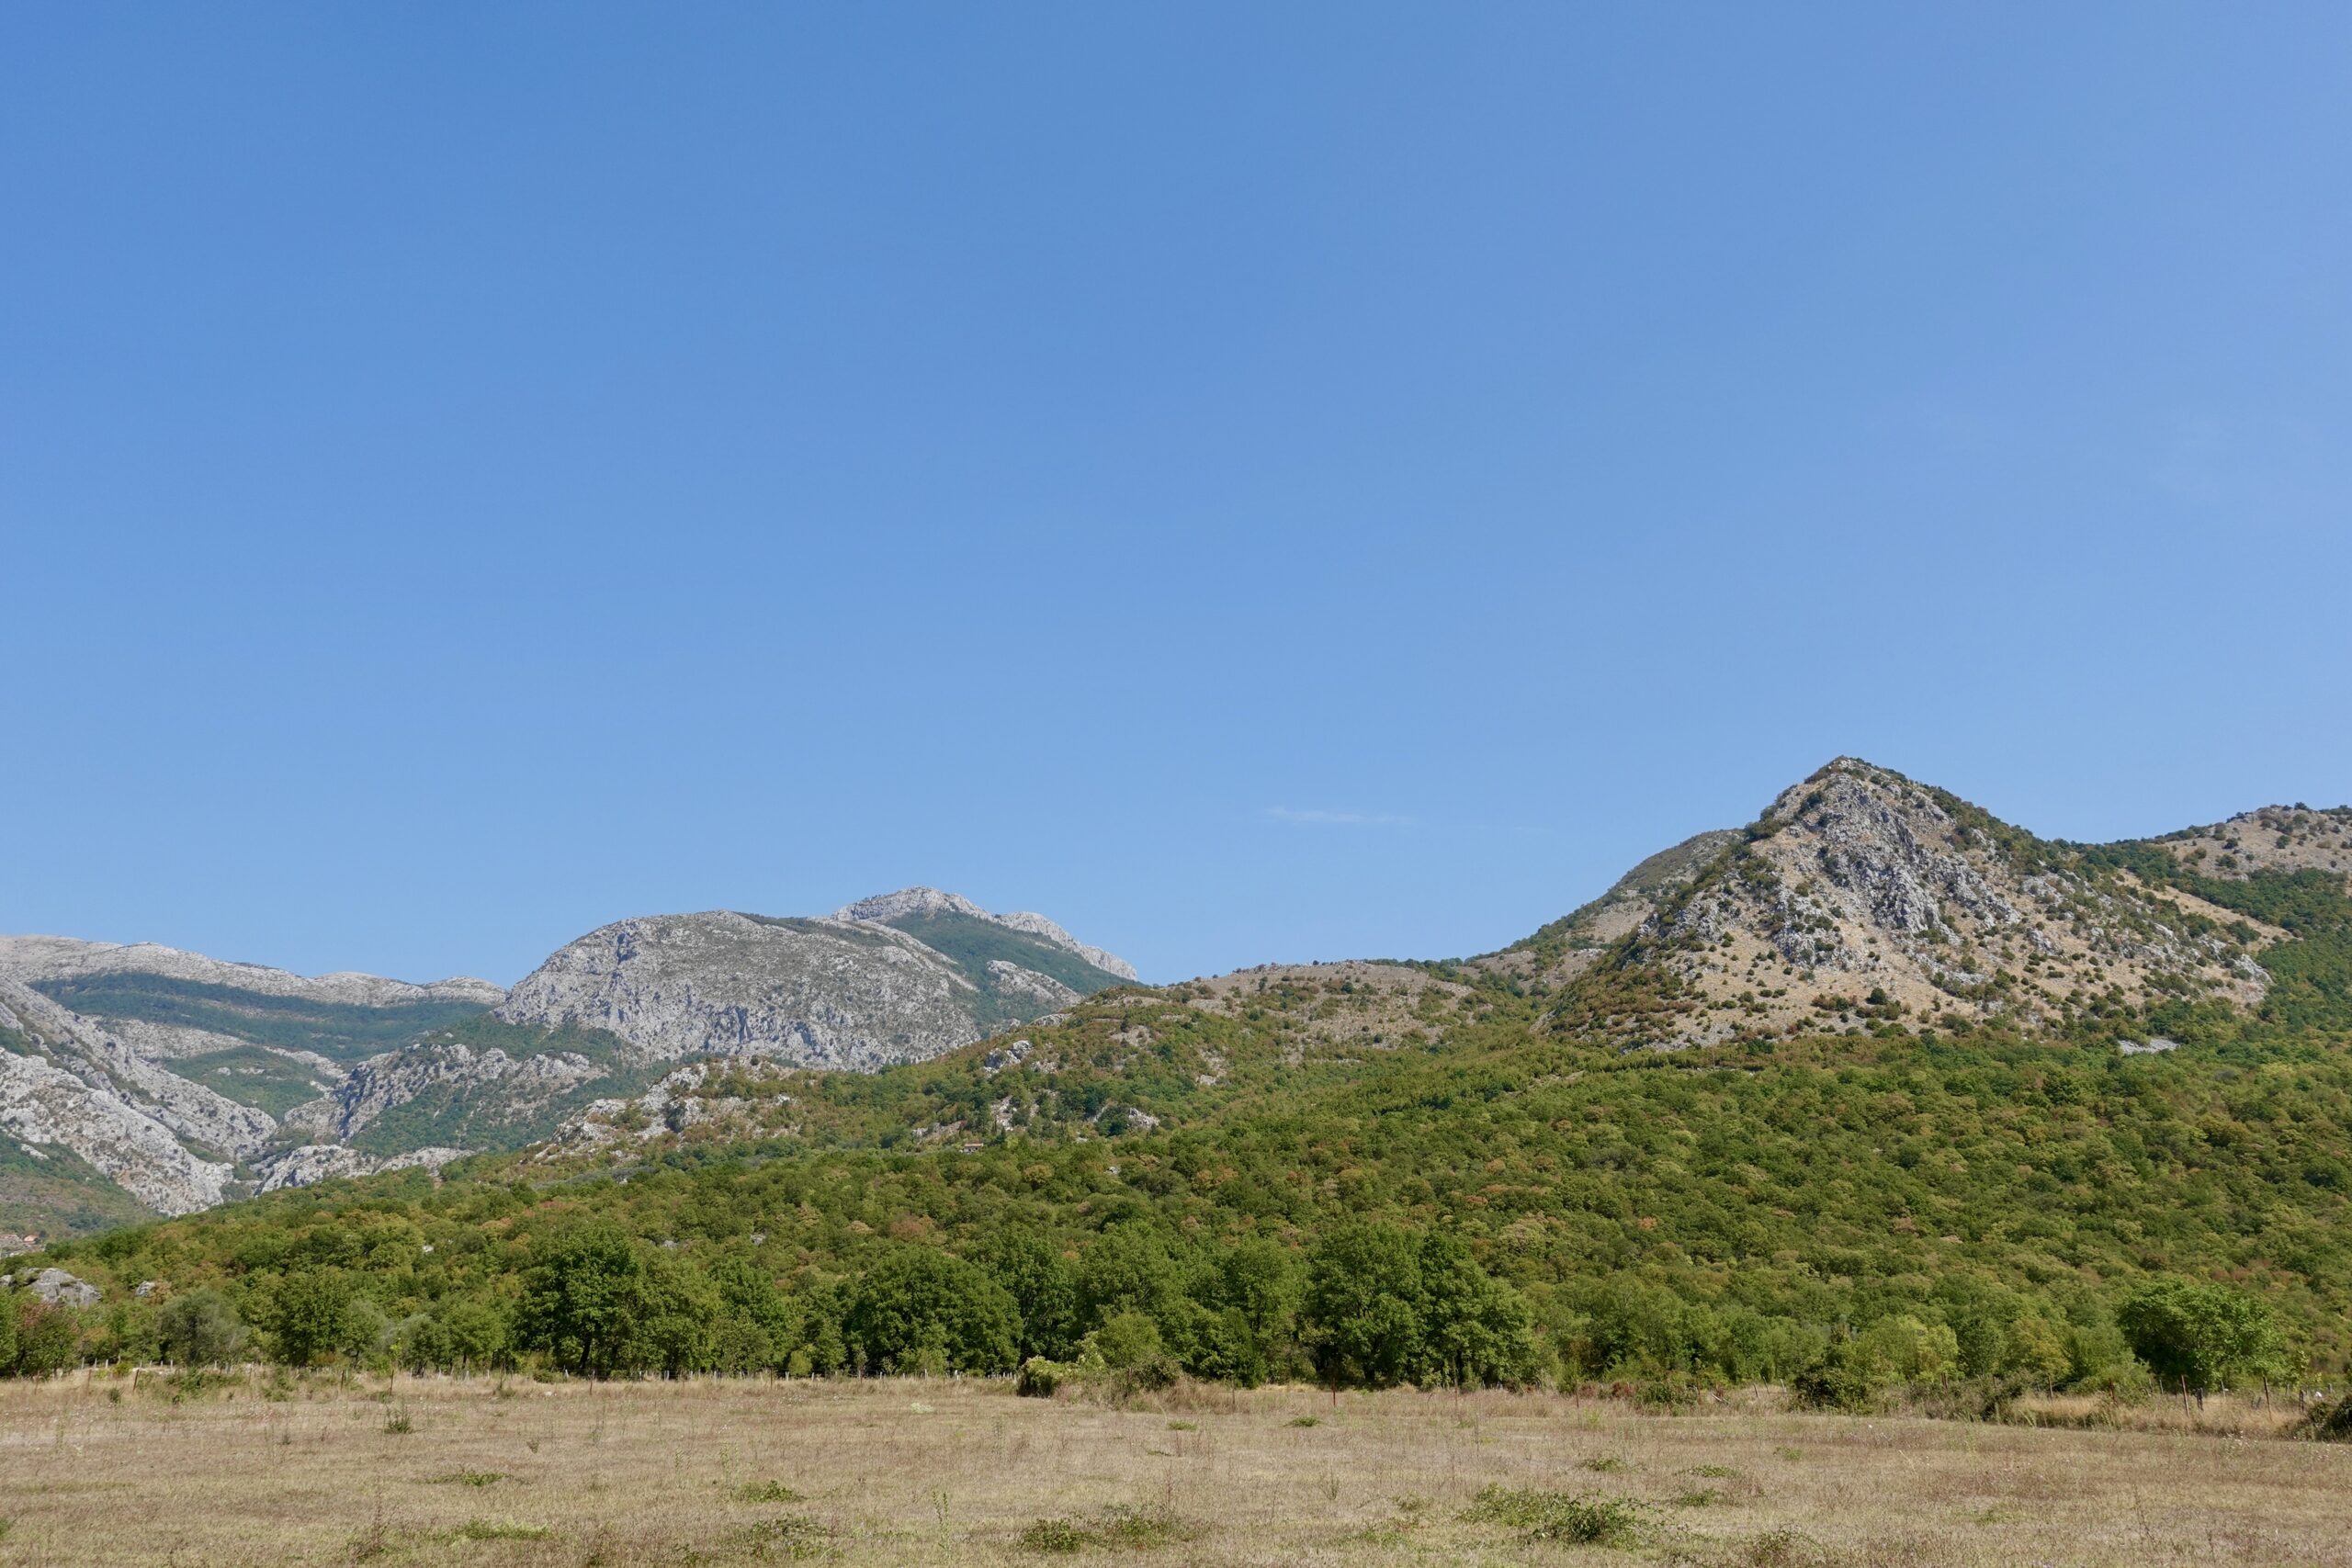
(1861, 1212)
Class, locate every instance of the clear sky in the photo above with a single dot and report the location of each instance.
(1252, 482)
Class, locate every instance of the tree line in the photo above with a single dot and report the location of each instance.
(1371, 1304)
(1367, 1304)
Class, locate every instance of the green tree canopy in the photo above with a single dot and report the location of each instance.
(200, 1328)
(1361, 1317)
(757, 1325)
(1042, 1284)
(918, 1308)
(308, 1313)
(2199, 1336)
(583, 1299)
(1474, 1328)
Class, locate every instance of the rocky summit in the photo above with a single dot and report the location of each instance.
(901, 978)
(1860, 896)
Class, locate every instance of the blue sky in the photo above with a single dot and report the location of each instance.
(1252, 482)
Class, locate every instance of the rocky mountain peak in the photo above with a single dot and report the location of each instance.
(884, 907)
(1862, 895)
(1899, 855)
(1845, 778)
(911, 907)
(899, 976)
(141, 1078)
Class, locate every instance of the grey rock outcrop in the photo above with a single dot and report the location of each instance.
(312, 1163)
(117, 1054)
(64, 1085)
(397, 1077)
(818, 992)
(850, 991)
(673, 1103)
(117, 1092)
(1012, 981)
(58, 1288)
(886, 909)
(101, 1058)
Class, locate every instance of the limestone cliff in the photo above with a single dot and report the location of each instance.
(895, 978)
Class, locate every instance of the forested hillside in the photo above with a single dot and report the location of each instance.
(1372, 1172)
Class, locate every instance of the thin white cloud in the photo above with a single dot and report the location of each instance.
(1315, 816)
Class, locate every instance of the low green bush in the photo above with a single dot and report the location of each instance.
(1590, 1518)
(2329, 1423)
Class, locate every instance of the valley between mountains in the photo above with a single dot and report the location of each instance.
(1874, 1054)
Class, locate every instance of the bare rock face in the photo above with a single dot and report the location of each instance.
(104, 1061)
(167, 1042)
(398, 1078)
(901, 978)
(671, 1104)
(58, 1288)
(824, 993)
(66, 1085)
(114, 1057)
(312, 1163)
(116, 1074)
(1012, 981)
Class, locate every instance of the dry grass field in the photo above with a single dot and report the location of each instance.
(437, 1472)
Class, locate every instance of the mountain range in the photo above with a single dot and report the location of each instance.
(140, 1079)
(137, 1081)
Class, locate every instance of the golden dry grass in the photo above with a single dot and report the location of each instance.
(907, 1473)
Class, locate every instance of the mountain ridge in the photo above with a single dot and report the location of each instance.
(183, 1080)
(62, 958)
(887, 909)
(1857, 902)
